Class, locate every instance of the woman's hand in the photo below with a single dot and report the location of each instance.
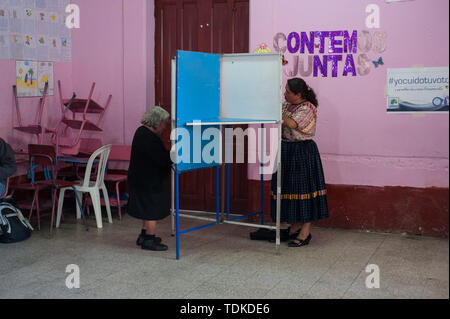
(289, 122)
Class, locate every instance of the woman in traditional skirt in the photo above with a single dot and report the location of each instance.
(303, 192)
(149, 177)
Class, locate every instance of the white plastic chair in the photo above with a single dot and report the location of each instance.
(91, 187)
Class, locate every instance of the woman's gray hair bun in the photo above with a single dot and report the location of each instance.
(155, 116)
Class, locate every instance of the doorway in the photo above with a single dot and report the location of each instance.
(213, 26)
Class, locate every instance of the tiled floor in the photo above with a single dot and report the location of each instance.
(221, 262)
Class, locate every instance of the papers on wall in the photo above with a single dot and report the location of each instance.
(31, 77)
(34, 30)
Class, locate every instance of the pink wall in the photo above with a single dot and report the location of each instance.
(110, 48)
(360, 143)
(114, 48)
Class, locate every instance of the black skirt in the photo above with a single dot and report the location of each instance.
(303, 192)
(152, 203)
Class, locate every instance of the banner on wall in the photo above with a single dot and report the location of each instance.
(417, 90)
(339, 53)
(31, 77)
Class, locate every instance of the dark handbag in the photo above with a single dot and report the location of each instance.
(13, 226)
(269, 234)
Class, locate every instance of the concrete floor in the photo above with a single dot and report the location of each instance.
(220, 262)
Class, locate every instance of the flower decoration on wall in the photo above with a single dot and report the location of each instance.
(378, 62)
(263, 48)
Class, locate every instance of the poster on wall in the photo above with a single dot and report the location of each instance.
(417, 90)
(45, 74)
(26, 78)
(34, 30)
(31, 77)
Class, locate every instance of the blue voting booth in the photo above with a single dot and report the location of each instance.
(210, 92)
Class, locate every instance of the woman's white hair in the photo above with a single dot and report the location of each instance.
(155, 116)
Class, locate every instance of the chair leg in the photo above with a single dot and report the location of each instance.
(118, 200)
(87, 209)
(38, 213)
(56, 206)
(79, 204)
(80, 196)
(32, 206)
(108, 207)
(95, 196)
(60, 206)
(53, 210)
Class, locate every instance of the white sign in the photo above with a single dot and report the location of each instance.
(417, 90)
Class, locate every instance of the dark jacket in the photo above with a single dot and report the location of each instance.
(7, 161)
(149, 177)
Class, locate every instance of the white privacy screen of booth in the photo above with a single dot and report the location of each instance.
(250, 86)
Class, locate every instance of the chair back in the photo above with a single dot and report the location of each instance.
(43, 156)
(41, 105)
(102, 153)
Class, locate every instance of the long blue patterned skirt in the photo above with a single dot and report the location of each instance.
(303, 192)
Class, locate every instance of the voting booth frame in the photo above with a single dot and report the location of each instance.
(215, 91)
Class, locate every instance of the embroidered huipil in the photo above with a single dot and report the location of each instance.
(305, 115)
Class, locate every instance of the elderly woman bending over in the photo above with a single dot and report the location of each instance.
(148, 177)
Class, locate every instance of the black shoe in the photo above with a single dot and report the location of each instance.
(141, 239)
(295, 234)
(285, 235)
(299, 242)
(150, 244)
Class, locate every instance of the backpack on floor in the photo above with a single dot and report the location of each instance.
(13, 226)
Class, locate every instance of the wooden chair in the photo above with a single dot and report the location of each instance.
(42, 157)
(36, 128)
(69, 144)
